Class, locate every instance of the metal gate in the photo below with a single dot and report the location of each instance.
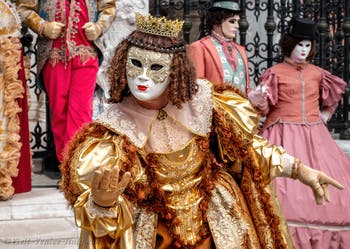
(262, 24)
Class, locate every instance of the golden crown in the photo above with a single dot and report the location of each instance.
(158, 26)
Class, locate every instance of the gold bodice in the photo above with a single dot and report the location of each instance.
(179, 177)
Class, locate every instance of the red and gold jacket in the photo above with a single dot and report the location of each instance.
(74, 14)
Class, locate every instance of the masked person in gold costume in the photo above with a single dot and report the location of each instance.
(175, 162)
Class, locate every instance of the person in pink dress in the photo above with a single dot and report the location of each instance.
(298, 99)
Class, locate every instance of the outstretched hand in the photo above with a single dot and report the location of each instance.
(106, 187)
(318, 181)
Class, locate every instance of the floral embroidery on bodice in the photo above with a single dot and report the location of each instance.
(179, 176)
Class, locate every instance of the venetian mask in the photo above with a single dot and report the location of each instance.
(301, 51)
(147, 73)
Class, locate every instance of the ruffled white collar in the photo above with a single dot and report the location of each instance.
(130, 119)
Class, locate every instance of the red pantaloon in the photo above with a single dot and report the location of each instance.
(70, 89)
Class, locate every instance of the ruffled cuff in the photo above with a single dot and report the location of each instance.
(289, 166)
(101, 221)
(332, 88)
(269, 79)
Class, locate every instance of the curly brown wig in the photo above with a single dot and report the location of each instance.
(288, 43)
(182, 85)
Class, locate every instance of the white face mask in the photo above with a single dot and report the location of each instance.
(301, 51)
(147, 73)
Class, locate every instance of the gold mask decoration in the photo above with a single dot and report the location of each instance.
(156, 64)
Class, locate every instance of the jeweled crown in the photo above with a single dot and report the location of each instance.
(158, 26)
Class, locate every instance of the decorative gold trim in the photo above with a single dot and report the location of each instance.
(11, 89)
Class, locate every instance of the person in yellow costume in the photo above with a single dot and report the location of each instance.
(176, 162)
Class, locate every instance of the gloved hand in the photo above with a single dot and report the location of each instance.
(106, 187)
(92, 31)
(325, 116)
(258, 97)
(318, 181)
(52, 30)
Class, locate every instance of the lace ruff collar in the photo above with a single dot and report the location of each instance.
(130, 119)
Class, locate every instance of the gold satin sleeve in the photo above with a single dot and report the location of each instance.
(236, 123)
(104, 225)
(106, 10)
(269, 156)
(27, 10)
(240, 111)
(240, 115)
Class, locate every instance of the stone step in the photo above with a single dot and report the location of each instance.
(39, 233)
(40, 203)
(36, 220)
(344, 145)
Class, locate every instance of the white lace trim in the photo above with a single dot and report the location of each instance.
(97, 211)
(135, 122)
(145, 229)
(167, 136)
(320, 227)
(287, 164)
(227, 231)
(122, 123)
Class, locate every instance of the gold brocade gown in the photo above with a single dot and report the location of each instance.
(183, 193)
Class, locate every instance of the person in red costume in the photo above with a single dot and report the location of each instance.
(298, 99)
(68, 49)
(217, 57)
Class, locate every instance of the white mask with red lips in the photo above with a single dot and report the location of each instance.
(147, 73)
(301, 51)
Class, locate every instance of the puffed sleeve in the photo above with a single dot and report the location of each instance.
(85, 155)
(27, 10)
(332, 88)
(106, 13)
(236, 125)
